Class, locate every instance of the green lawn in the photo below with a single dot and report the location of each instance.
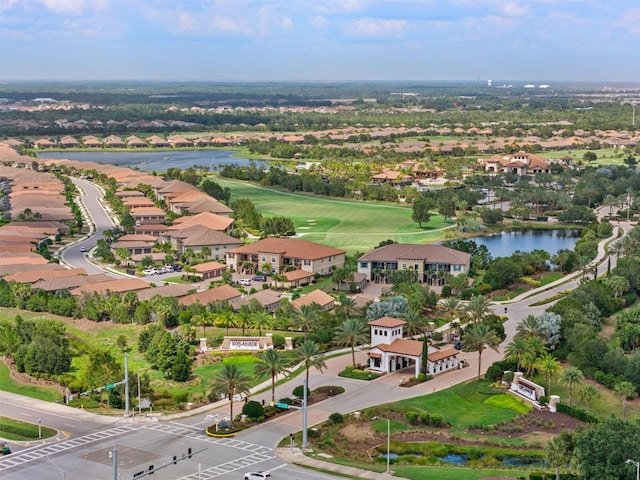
(349, 225)
(11, 429)
(462, 406)
(452, 473)
(49, 394)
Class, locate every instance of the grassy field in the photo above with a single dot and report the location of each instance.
(349, 225)
(452, 473)
(462, 406)
(48, 394)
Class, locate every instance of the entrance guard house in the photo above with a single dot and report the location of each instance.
(390, 352)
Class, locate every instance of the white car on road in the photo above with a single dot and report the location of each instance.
(257, 476)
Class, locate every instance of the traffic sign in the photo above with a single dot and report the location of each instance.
(282, 405)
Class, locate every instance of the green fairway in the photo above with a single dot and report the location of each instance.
(350, 225)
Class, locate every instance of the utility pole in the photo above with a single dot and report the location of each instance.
(115, 462)
(139, 407)
(126, 385)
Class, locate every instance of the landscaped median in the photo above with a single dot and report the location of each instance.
(466, 432)
(17, 431)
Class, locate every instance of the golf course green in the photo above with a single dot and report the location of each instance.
(354, 226)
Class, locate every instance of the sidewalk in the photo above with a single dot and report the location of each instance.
(295, 456)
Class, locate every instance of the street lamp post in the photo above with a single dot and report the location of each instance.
(388, 472)
(637, 464)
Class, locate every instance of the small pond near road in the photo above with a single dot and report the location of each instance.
(504, 244)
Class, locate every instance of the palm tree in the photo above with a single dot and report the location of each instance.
(529, 327)
(571, 377)
(347, 306)
(310, 355)
(230, 381)
(478, 308)
(559, 451)
(261, 319)
(476, 338)
(626, 391)
(587, 394)
(548, 366)
(306, 318)
(271, 363)
(352, 332)
(516, 350)
(244, 317)
(416, 323)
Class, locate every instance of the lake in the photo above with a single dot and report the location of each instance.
(156, 161)
(506, 243)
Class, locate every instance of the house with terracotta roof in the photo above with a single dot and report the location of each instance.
(157, 142)
(427, 263)
(68, 142)
(135, 244)
(390, 352)
(120, 285)
(296, 278)
(44, 143)
(61, 284)
(269, 299)
(178, 141)
(135, 202)
(520, 163)
(113, 141)
(208, 270)
(199, 231)
(176, 290)
(217, 294)
(135, 142)
(148, 215)
(91, 142)
(317, 296)
(284, 254)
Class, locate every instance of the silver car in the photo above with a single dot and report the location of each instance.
(257, 476)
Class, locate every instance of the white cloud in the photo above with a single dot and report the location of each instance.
(332, 7)
(319, 21)
(375, 27)
(7, 4)
(186, 22)
(630, 20)
(71, 7)
(224, 23)
(514, 9)
(287, 23)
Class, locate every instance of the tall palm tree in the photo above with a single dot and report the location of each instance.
(478, 308)
(516, 350)
(416, 323)
(587, 394)
(310, 355)
(476, 338)
(261, 319)
(451, 308)
(626, 391)
(548, 366)
(351, 333)
(571, 377)
(559, 451)
(271, 363)
(230, 381)
(306, 318)
(347, 306)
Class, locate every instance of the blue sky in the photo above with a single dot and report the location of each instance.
(320, 40)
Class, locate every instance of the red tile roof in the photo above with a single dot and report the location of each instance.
(388, 322)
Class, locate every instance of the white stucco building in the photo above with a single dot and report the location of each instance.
(390, 351)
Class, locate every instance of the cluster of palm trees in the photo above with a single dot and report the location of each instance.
(529, 350)
(231, 381)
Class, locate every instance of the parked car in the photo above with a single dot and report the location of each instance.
(257, 476)
(259, 278)
(177, 268)
(168, 269)
(150, 271)
(458, 345)
(245, 281)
